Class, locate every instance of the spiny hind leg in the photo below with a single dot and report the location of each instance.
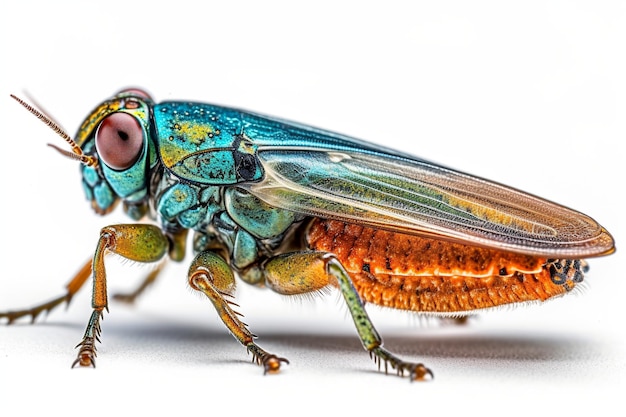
(72, 288)
(302, 272)
(212, 276)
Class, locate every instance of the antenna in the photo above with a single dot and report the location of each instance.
(77, 152)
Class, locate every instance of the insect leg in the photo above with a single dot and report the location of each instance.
(211, 275)
(136, 242)
(176, 253)
(72, 288)
(130, 297)
(300, 272)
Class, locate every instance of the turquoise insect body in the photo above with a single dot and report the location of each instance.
(208, 149)
(296, 209)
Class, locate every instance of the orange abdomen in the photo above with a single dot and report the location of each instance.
(428, 275)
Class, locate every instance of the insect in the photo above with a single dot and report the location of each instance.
(297, 209)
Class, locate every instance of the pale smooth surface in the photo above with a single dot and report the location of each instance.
(531, 95)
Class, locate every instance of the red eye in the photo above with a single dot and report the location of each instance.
(119, 140)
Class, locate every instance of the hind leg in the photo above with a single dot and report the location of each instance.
(302, 272)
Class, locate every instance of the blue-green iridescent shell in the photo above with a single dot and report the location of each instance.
(309, 171)
(205, 144)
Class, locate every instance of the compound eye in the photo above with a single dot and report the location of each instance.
(119, 140)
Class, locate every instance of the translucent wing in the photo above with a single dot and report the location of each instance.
(328, 175)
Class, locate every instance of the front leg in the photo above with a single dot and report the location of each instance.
(177, 249)
(211, 275)
(136, 242)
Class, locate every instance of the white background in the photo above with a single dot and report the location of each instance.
(531, 94)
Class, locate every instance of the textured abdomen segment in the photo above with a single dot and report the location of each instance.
(428, 275)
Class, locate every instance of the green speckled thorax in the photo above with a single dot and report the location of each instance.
(247, 227)
(205, 153)
(200, 143)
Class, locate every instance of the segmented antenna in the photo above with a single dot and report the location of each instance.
(77, 152)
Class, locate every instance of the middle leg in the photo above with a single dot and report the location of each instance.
(212, 276)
